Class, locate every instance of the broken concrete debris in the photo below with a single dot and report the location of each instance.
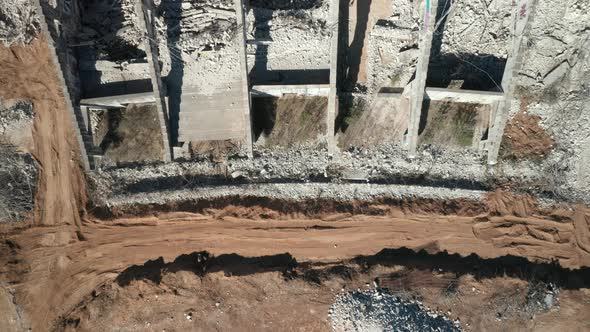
(197, 25)
(378, 310)
(19, 22)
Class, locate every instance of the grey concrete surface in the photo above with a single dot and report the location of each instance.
(419, 83)
(146, 20)
(281, 90)
(333, 23)
(463, 96)
(522, 18)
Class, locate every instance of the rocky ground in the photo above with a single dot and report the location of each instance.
(375, 310)
(299, 36)
(19, 22)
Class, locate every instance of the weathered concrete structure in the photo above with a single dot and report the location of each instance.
(333, 95)
(419, 83)
(223, 111)
(145, 13)
(522, 18)
(280, 90)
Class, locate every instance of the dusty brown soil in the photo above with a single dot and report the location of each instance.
(106, 274)
(267, 294)
(63, 266)
(133, 135)
(524, 138)
(27, 73)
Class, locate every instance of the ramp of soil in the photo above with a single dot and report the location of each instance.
(27, 73)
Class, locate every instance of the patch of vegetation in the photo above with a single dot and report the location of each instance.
(354, 112)
(450, 124)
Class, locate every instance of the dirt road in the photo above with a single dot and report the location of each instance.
(62, 266)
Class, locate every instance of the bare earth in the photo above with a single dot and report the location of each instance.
(27, 73)
(63, 267)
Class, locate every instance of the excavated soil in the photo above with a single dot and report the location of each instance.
(27, 73)
(524, 138)
(66, 266)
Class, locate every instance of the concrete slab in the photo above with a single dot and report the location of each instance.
(419, 83)
(463, 96)
(280, 90)
(333, 94)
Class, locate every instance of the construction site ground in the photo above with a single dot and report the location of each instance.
(270, 243)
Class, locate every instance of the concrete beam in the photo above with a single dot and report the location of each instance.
(120, 101)
(463, 96)
(333, 23)
(75, 113)
(280, 90)
(246, 101)
(419, 83)
(522, 18)
(144, 12)
(258, 42)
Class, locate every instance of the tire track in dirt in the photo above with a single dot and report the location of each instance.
(63, 269)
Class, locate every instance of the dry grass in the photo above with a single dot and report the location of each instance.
(133, 135)
(290, 120)
(451, 125)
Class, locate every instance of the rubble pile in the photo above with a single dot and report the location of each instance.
(197, 25)
(299, 35)
(112, 28)
(476, 27)
(19, 22)
(393, 48)
(376, 310)
(21, 112)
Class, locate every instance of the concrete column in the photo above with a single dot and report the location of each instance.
(143, 10)
(247, 103)
(522, 18)
(333, 94)
(419, 83)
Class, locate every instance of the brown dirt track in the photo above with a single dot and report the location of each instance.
(63, 267)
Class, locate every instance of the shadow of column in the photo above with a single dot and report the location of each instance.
(355, 50)
(261, 32)
(171, 11)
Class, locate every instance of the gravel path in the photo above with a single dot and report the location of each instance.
(378, 311)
